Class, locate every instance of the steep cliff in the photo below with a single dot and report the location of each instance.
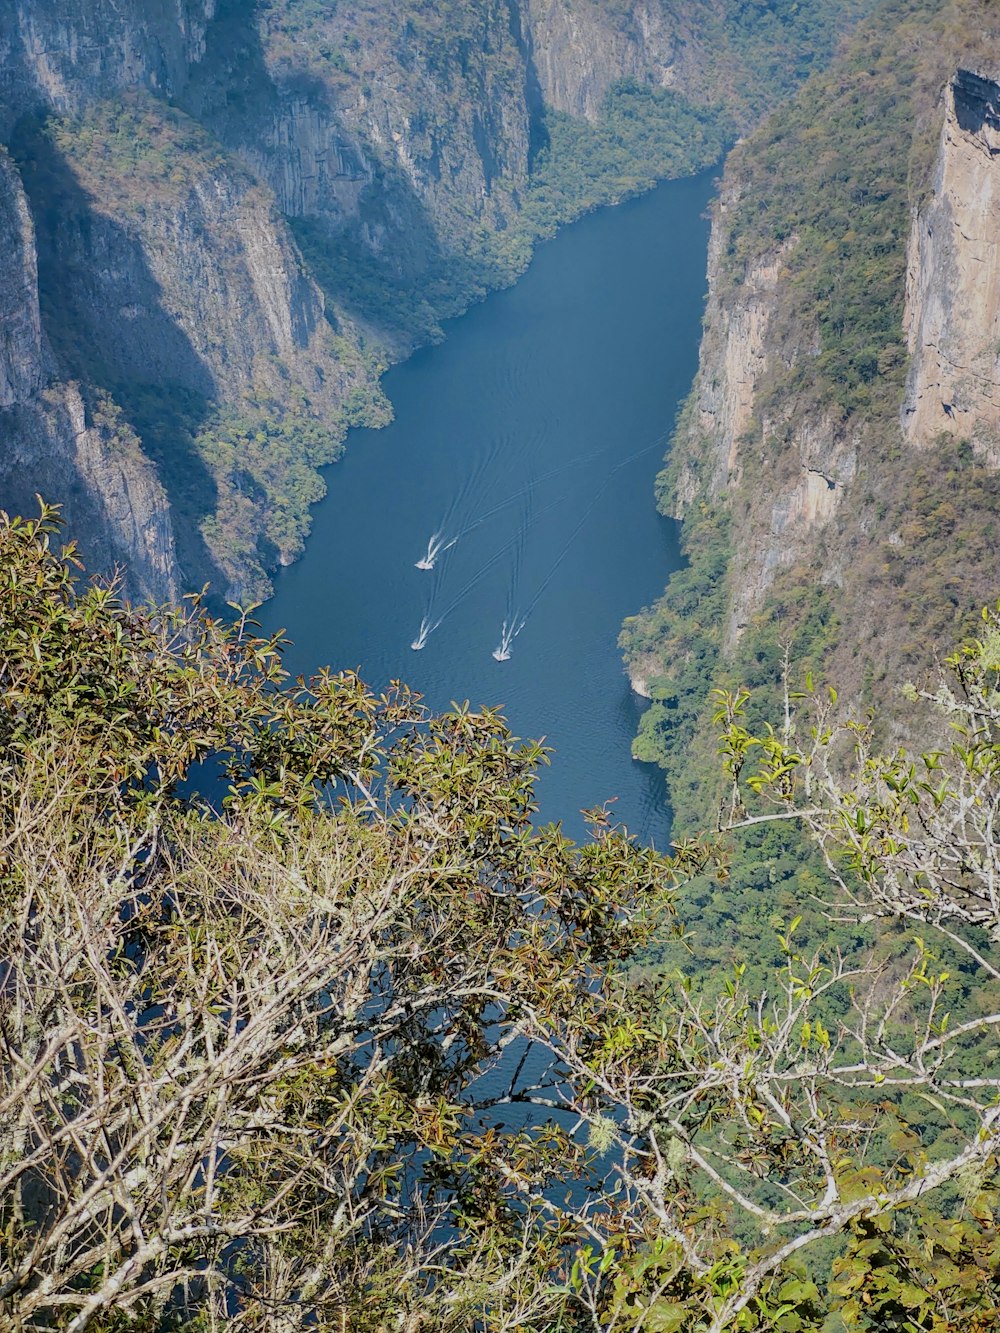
(745, 58)
(61, 55)
(579, 52)
(21, 359)
(55, 443)
(226, 218)
(952, 317)
(851, 490)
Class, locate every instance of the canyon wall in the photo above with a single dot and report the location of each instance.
(952, 317)
(157, 154)
(837, 464)
(580, 51)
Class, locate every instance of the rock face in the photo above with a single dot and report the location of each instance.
(787, 474)
(837, 464)
(150, 251)
(199, 286)
(807, 482)
(953, 278)
(735, 344)
(579, 51)
(110, 492)
(21, 361)
(61, 55)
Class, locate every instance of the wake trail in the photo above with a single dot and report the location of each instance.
(493, 561)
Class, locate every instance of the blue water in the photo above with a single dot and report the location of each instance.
(557, 395)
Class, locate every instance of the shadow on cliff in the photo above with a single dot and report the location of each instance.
(402, 287)
(231, 87)
(538, 134)
(406, 291)
(104, 317)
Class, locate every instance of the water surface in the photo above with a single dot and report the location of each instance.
(558, 396)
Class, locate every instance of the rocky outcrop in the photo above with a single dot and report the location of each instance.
(54, 445)
(580, 50)
(788, 473)
(733, 361)
(953, 278)
(109, 494)
(313, 165)
(21, 361)
(196, 284)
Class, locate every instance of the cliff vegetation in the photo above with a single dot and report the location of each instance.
(817, 521)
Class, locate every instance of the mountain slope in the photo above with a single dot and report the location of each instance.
(836, 461)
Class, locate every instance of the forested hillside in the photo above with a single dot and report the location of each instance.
(835, 464)
(225, 221)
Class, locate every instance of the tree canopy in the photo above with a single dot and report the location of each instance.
(348, 1042)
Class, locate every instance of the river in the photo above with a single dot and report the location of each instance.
(549, 403)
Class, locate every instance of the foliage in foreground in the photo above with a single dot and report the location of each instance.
(347, 1050)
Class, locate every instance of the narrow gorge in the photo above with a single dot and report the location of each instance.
(225, 221)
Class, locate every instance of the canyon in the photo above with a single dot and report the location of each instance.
(225, 221)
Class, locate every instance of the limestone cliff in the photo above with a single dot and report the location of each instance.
(952, 316)
(796, 467)
(55, 445)
(579, 51)
(711, 50)
(21, 358)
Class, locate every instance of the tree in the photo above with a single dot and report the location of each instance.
(252, 1054)
(856, 1099)
(352, 1045)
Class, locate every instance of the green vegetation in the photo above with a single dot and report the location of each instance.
(779, 43)
(678, 647)
(399, 310)
(775, 873)
(681, 637)
(262, 462)
(831, 180)
(296, 37)
(824, 190)
(938, 528)
(643, 135)
(275, 1051)
(260, 1025)
(835, 191)
(137, 150)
